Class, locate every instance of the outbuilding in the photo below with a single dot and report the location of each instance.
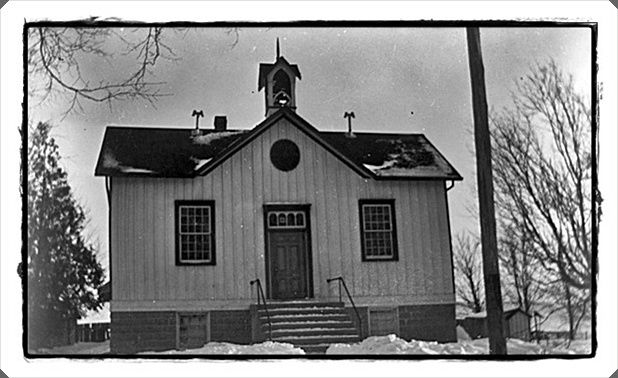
(516, 324)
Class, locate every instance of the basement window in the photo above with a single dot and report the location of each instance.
(195, 232)
(378, 230)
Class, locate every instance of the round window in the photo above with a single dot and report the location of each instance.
(285, 155)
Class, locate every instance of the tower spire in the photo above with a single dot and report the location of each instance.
(278, 53)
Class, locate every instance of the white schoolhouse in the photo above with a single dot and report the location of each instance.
(201, 219)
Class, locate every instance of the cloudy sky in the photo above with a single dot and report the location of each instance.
(382, 74)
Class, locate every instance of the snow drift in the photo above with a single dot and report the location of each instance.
(267, 347)
(374, 345)
(392, 344)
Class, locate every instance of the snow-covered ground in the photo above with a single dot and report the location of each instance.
(390, 344)
(267, 347)
(79, 348)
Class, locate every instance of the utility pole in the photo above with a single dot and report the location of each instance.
(491, 274)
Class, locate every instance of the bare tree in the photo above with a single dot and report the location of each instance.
(57, 57)
(525, 283)
(542, 172)
(468, 272)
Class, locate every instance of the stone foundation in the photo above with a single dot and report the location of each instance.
(428, 322)
(233, 326)
(420, 322)
(133, 332)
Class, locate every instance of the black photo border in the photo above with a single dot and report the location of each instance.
(593, 26)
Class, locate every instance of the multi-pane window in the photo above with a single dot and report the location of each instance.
(378, 231)
(286, 219)
(195, 232)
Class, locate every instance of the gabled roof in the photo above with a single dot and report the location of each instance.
(160, 152)
(393, 155)
(170, 152)
(265, 69)
(507, 312)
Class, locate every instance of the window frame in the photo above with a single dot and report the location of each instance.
(195, 203)
(286, 214)
(384, 202)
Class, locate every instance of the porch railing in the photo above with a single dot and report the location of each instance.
(341, 282)
(260, 294)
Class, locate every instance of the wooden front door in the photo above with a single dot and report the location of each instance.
(288, 254)
(288, 265)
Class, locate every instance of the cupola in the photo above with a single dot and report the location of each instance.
(279, 81)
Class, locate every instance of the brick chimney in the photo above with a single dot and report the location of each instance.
(220, 123)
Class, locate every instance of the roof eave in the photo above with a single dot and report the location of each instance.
(455, 176)
(419, 178)
(140, 175)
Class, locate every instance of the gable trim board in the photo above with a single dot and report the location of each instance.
(295, 120)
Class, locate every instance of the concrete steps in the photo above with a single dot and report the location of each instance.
(312, 326)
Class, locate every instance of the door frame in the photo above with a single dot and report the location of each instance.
(306, 208)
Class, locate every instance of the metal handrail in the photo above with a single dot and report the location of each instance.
(342, 281)
(260, 292)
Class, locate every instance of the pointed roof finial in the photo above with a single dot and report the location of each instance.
(278, 53)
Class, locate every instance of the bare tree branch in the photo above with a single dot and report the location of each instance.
(468, 272)
(57, 56)
(542, 172)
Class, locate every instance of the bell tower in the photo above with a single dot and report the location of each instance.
(279, 82)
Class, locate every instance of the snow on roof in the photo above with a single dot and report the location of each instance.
(207, 139)
(199, 163)
(166, 152)
(394, 155)
(110, 162)
(125, 169)
(377, 168)
(173, 152)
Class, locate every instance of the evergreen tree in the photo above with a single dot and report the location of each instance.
(62, 269)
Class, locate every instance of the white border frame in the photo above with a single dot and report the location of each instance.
(15, 12)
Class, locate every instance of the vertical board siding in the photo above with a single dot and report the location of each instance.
(441, 243)
(227, 252)
(134, 244)
(143, 240)
(426, 252)
(160, 250)
(257, 221)
(237, 252)
(149, 225)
